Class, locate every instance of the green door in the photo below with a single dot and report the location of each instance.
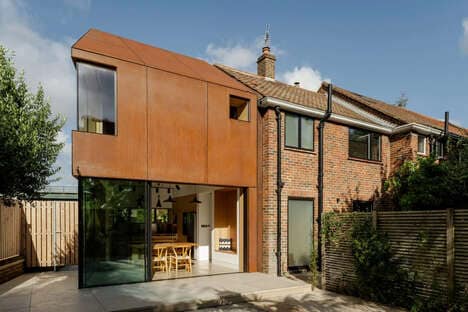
(300, 232)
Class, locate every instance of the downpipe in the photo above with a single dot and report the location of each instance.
(320, 183)
(279, 187)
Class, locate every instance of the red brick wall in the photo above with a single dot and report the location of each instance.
(345, 179)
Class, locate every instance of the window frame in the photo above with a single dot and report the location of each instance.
(248, 107)
(438, 145)
(369, 150)
(106, 66)
(425, 143)
(299, 132)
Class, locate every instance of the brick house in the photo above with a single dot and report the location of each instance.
(354, 171)
(173, 151)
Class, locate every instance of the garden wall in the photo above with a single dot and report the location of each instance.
(433, 244)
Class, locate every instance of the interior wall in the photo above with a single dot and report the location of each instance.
(182, 205)
(225, 216)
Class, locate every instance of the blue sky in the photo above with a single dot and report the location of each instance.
(377, 48)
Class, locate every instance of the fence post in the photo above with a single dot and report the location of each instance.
(374, 218)
(450, 255)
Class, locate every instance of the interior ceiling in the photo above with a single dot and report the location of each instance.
(185, 189)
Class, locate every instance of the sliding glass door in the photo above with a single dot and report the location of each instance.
(300, 232)
(113, 221)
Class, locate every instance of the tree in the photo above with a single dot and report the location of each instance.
(28, 132)
(402, 101)
(428, 183)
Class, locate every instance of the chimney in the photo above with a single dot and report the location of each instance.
(266, 61)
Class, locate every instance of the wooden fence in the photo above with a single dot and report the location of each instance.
(50, 233)
(44, 232)
(434, 244)
(10, 231)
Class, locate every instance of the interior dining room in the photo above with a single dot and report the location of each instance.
(195, 230)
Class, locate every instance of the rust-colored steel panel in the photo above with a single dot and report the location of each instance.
(254, 244)
(177, 128)
(125, 154)
(99, 42)
(211, 73)
(160, 59)
(232, 144)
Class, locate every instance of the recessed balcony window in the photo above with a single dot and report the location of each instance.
(238, 108)
(96, 99)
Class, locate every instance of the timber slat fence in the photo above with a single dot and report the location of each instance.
(45, 232)
(434, 244)
(10, 231)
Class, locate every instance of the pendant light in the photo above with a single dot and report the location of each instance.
(158, 204)
(195, 199)
(169, 199)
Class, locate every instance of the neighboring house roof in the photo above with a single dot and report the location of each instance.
(393, 113)
(276, 89)
(99, 42)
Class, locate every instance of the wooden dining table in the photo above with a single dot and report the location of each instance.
(177, 249)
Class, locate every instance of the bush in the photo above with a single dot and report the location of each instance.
(427, 183)
(379, 276)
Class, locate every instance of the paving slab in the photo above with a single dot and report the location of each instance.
(57, 291)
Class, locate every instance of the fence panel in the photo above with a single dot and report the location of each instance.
(50, 233)
(10, 230)
(419, 240)
(461, 252)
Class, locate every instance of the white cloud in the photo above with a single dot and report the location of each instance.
(45, 61)
(464, 38)
(238, 55)
(307, 77)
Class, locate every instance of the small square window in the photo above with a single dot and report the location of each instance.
(238, 108)
(421, 144)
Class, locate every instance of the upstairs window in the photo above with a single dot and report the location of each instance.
(364, 144)
(299, 132)
(96, 99)
(238, 108)
(421, 144)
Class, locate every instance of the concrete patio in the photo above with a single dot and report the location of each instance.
(57, 291)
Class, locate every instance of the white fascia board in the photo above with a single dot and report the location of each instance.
(415, 127)
(313, 112)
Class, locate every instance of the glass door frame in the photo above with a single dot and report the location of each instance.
(296, 198)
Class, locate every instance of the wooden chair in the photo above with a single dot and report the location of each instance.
(160, 259)
(181, 256)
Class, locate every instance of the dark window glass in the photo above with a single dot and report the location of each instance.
(437, 149)
(299, 132)
(113, 225)
(421, 144)
(307, 133)
(362, 206)
(96, 99)
(364, 144)
(292, 130)
(300, 232)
